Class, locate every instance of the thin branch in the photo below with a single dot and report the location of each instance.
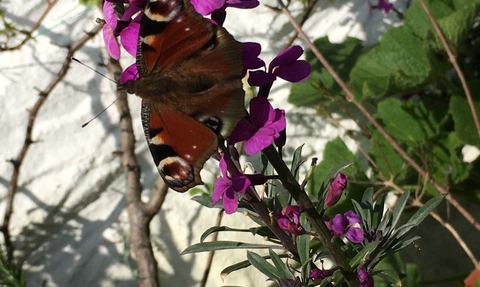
(304, 19)
(455, 234)
(139, 213)
(453, 59)
(378, 126)
(35, 26)
(32, 115)
(208, 264)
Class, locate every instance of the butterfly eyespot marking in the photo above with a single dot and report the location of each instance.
(160, 17)
(176, 171)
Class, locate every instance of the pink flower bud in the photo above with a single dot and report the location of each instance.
(337, 186)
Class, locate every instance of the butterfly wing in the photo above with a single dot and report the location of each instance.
(190, 82)
(178, 159)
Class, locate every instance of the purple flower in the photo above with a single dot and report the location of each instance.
(289, 219)
(126, 28)
(264, 126)
(382, 5)
(337, 186)
(250, 53)
(108, 30)
(346, 224)
(205, 7)
(227, 187)
(366, 280)
(285, 65)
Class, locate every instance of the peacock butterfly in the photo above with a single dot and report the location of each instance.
(190, 73)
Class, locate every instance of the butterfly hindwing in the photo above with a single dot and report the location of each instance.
(179, 144)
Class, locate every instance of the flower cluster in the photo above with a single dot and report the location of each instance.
(347, 224)
(289, 219)
(382, 5)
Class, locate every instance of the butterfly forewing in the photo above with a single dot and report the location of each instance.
(190, 73)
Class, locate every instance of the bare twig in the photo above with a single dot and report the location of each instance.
(455, 234)
(208, 264)
(453, 59)
(378, 126)
(17, 162)
(139, 213)
(50, 4)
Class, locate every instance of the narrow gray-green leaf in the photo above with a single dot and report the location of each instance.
(262, 265)
(399, 206)
(222, 245)
(280, 265)
(303, 247)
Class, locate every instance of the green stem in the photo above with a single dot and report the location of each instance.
(315, 219)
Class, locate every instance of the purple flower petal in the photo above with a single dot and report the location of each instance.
(129, 74)
(287, 56)
(316, 273)
(230, 201)
(240, 182)
(243, 4)
(297, 71)
(283, 222)
(262, 139)
(111, 42)
(221, 185)
(366, 280)
(337, 186)
(384, 5)
(129, 38)
(243, 131)
(339, 224)
(223, 166)
(355, 234)
(130, 12)
(250, 53)
(261, 111)
(260, 78)
(352, 217)
(110, 15)
(205, 7)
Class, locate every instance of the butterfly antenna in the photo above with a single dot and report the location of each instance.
(88, 67)
(85, 124)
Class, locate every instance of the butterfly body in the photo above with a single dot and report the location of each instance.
(190, 73)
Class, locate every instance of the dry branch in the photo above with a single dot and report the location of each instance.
(32, 115)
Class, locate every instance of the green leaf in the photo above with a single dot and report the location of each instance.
(262, 265)
(421, 213)
(303, 247)
(204, 200)
(335, 152)
(390, 276)
(297, 161)
(364, 253)
(281, 266)
(263, 231)
(89, 2)
(235, 267)
(463, 119)
(412, 278)
(399, 123)
(342, 57)
(399, 206)
(221, 245)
